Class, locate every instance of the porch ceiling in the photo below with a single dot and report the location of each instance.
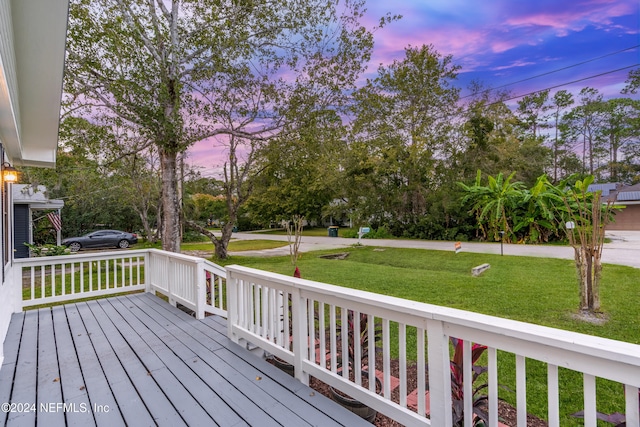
(31, 70)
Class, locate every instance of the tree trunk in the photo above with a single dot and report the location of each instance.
(588, 286)
(171, 211)
(223, 243)
(220, 243)
(597, 273)
(581, 271)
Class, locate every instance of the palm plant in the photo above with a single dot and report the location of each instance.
(494, 204)
(538, 213)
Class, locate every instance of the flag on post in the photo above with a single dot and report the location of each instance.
(55, 220)
(458, 246)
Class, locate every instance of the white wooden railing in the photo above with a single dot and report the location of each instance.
(297, 321)
(196, 283)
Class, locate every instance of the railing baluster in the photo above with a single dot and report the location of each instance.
(33, 282)
(53, 280)
(421, 368)
(264, 309)
(521, 390)
(287, 314)
(311, 331)
(386, 358)
(344, 339)
(332, 338)
(632, 411)
(402, 355)
(492, 366)
(357, 364)
(322, 332)
(371, 325)
(553, 396)
(42, 281)
(467, 384)
(590, 419)
(73, 278)
(271, 314)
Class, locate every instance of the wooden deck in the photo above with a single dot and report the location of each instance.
(138, 361)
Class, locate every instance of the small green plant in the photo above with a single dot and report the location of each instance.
(47, 250)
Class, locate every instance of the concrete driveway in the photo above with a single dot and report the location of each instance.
(624, 248)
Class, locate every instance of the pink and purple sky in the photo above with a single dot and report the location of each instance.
(499, 42)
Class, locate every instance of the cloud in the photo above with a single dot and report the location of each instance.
(517, 63)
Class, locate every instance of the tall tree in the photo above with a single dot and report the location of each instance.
(561, 100)
(583, 126)
(619, 128)
(532, 111)
(181, 71)
(404, 117)
(632, 82)
(299, 170)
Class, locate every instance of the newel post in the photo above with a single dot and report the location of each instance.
(232, 305)
(201, 289)
(300, 338)
(16, 290)
(439, 374)
(148, 271)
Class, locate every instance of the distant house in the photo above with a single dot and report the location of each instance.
(26, 200)
(627, 196)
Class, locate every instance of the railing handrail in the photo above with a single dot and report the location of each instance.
(78, 257)
(576, 342)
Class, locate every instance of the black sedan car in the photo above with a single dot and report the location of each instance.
(101, 239)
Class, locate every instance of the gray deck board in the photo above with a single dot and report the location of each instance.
(71, 380)
(24, 390)
(7, 372)
(151, 364)
(95, 379)
(49, 390)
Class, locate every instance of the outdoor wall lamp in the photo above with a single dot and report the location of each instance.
(9, 173)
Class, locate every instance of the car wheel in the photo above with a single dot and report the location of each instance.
(123, 244)
(75, 246)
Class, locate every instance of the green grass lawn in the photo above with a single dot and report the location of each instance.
(536, 290)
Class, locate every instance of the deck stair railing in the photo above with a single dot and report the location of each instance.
(300, 322)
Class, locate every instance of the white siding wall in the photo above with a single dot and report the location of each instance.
(8, 82)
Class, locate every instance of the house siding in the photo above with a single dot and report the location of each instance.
(8, 79)
(627, 219)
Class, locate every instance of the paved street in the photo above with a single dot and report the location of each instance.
(624, 248)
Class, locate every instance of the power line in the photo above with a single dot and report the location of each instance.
(571, 82)
(556, 71)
